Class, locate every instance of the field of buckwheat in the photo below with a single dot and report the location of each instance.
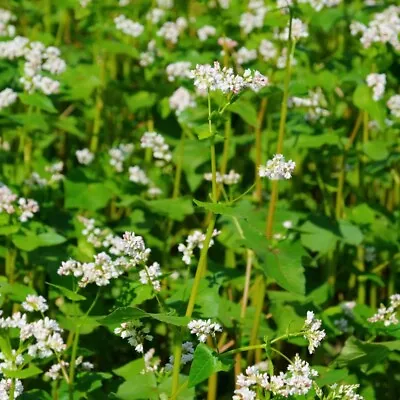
(199, 199)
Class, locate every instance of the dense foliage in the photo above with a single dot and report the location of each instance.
(199, 199)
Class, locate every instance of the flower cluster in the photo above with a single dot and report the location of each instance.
(267, 50)
(170, 31)
(4, 145)
(147, 57)
(205, 32)
(119, 154)
(160, 149)
(387, 315)
(6, 28)
(345, 392)
(312, 332)
(394, 105)
(377, 82)
(180, 100)
(135, 333)
(299, 31)
(5, 388)
(39, 59)
(7, 97)
(196, 239)
(316, 104)
(384, 28)
(245, 55)
(11, 204)
(297, 380)
(231, 178)
(55, 370)
(186, 357)
(149, 275)
(204, 328)
(179, 69)
(129, 27)
(84, 156)
(207, 77)
(137, 175)
(277, 168)
(105, 267)
(35, 303)
(254, 17)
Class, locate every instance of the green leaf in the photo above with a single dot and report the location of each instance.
(92, 196)
(205, 363)
(285, 266)
(351, 233)
(319, 234)
(140, 100)
(27, 242)
(176, 209)
(69, 294)
(124, 314)
(16, 291)
(362, 98)
(35, 394)
(50, 239)
(38, 100)
(245, 110)
(365, 355)
(32, 370)
(376, 150)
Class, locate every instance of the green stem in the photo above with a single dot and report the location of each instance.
(75, 347)
(260, 119)
(12, 389)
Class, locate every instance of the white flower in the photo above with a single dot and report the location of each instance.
(84, 156)
(180, 100)
(7, 197)
(254, 18)
(170, 31)
(387, 315)
(204, 328)
(160, 149)
(7, 97)
(150, 275)
(5, 387)
(166, 4)
(28, 208)
(267, 50)
(205, 32)
(312, 332)
(179, 69)
(55, 171)
(230, 178)
(384, 28)
(315, 103)
(135, 248)
(345, 392)
(154, 192)
(277, 168)
(135, 333)
(207, 77)
(299, 31)
(196, 239)
(137, 175)
(244, 55)
(6, 28)
(54, 372)
(127, 26)
(288, 224)
(155, 15)
(394, 105)
(35, 303)
(186, 357)
(377, 82)
(119, 154)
